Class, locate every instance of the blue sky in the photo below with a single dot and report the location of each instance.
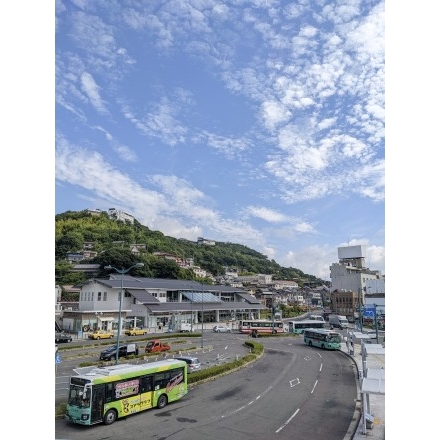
(255, 122)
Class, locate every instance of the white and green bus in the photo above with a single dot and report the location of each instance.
(323, 338)
(298, 327)
(105, 394)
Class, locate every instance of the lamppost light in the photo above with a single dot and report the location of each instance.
(122, 272)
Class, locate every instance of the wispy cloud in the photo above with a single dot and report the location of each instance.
(288, 98)
(91, 89)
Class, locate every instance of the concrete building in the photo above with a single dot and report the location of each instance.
(346, 303)
(156, 303)
(351, 274)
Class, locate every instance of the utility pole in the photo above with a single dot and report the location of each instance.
(359, 307)
(375, 324)
(273, 315)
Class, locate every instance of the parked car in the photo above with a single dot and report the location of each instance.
(221, 329)
(124, 350)
(192, 362)
(101, 334)
(62, 337)
(136, 331)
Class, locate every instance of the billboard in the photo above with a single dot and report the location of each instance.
(359, 251)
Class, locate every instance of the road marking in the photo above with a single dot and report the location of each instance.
(288, 421)
(294, 382)
(248, 404)
(314, 386)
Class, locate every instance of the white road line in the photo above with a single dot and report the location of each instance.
(248, 404)
(288, 421)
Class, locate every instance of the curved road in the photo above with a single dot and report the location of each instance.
(292, 392)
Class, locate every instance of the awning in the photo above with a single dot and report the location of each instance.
(106, 319)
(373, 386)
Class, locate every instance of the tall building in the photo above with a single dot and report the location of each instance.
(351, 274)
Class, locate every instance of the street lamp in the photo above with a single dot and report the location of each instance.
(192, 293)
(273, 315)
(202, 312)
(122, 272)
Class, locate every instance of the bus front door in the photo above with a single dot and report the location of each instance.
(97, 403)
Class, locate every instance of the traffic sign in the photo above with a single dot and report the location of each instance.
(369, 312)
(57, 358)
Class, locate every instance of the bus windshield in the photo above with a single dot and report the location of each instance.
(79, 396)
(334, 338)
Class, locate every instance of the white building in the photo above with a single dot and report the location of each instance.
(350, 274)
(157, 302)
(120, 215)
(374, 286)
(282, 285)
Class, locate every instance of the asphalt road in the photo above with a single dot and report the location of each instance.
(293, 391)
(217, 348)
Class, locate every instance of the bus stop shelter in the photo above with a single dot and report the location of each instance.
(372, 380)
(356, 336)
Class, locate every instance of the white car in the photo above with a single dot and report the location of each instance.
(221, 329)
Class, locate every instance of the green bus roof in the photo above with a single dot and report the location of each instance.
(124, 371)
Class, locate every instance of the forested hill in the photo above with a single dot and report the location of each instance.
(112, 239)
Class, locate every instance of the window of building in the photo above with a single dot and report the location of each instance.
(105, 296)
(99, 296)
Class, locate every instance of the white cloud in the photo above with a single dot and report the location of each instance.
(91, 89)
(266, 214)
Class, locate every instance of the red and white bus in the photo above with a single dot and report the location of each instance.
(261, 326)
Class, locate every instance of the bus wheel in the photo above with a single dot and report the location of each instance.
(162, 401)
(322, 346)
(310, 343)
(110, 417)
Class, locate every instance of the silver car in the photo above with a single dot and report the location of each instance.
(192, 362)
(221, 329)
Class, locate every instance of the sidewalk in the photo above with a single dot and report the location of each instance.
(375, 428)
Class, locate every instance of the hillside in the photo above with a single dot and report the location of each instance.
(112, 239)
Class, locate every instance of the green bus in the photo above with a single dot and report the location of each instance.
(105, 394)
(323, 338)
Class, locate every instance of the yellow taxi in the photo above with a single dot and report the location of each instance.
(136, 331)
(101, 334)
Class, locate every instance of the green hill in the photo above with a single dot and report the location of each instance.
(112, 239)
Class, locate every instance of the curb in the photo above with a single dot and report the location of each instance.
(351, 432)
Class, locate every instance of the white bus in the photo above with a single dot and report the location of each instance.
(260, 326)
(298, 327)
